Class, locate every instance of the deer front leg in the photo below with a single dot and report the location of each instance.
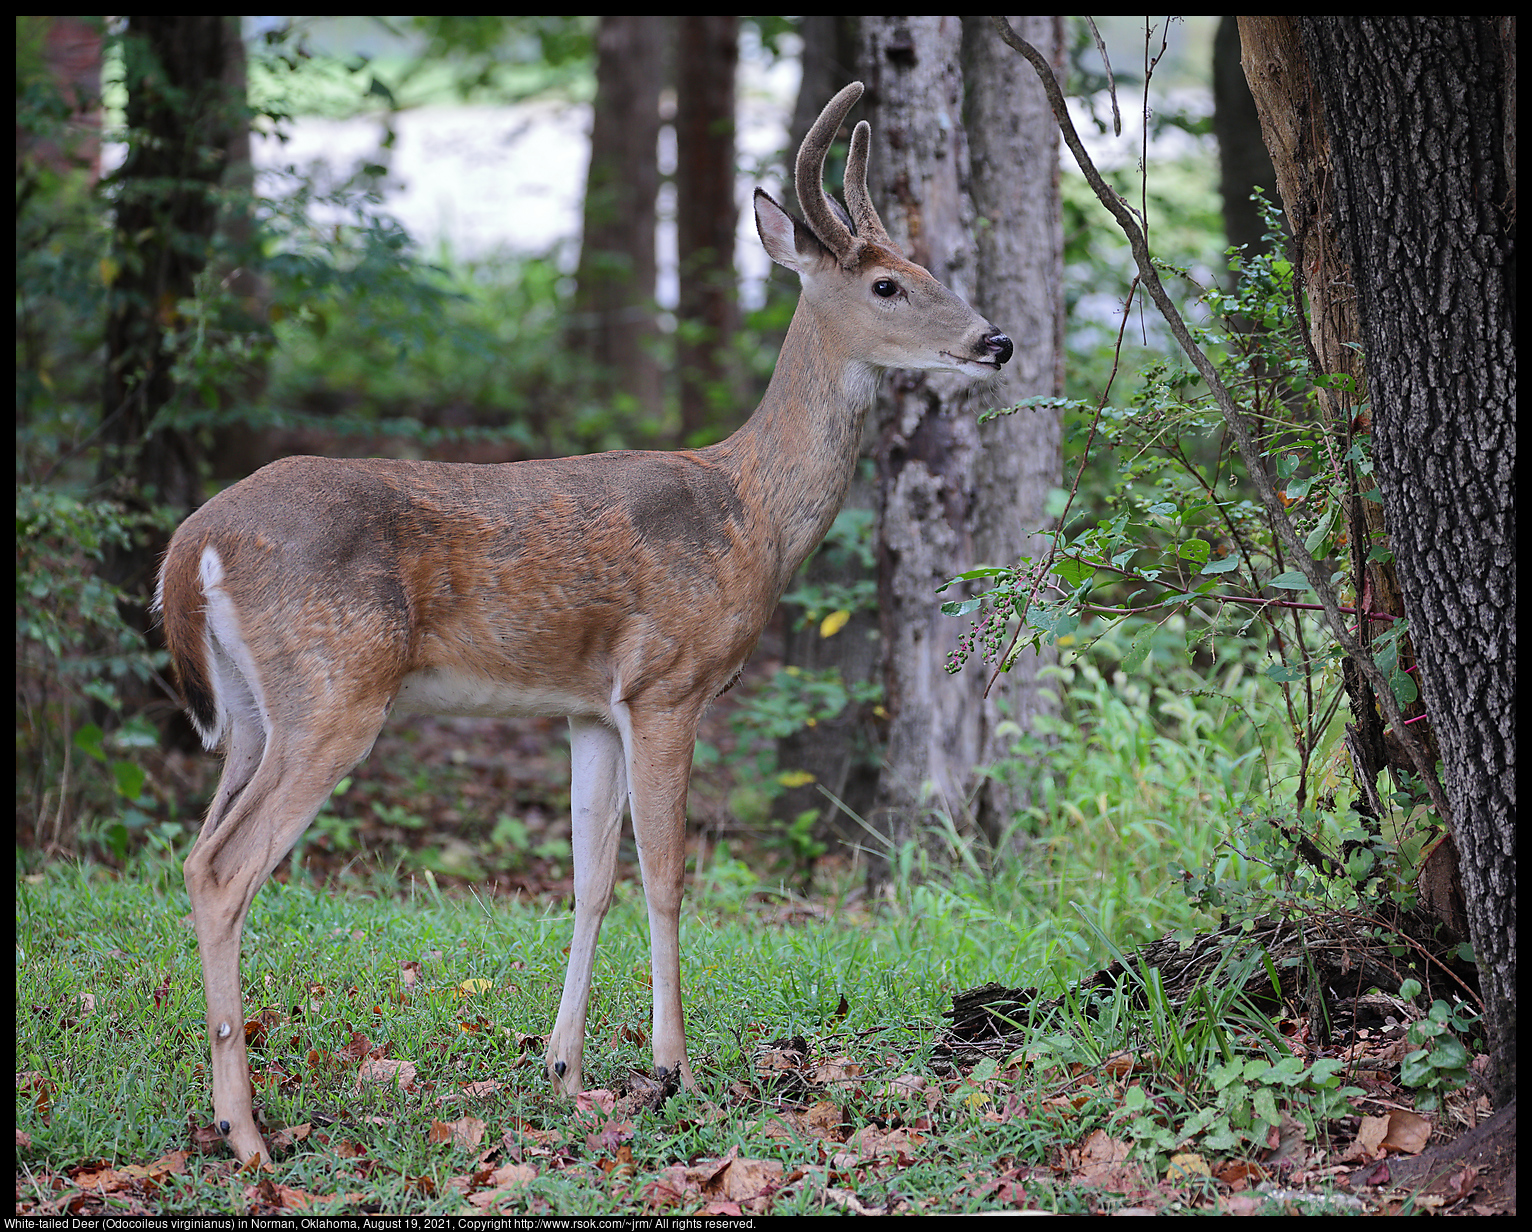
(659, 746)
(598, 787)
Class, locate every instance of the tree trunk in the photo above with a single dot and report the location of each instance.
(708, 312)
(945, 496)
(1243, 162)
(1013, 144)
(180, 115)
(68, 51)
(238, 447)
(1408, 124)
(1294, 127)
(615, 323)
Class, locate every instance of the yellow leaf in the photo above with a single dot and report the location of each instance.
(833, 623)
(473, 986)
(795, 778)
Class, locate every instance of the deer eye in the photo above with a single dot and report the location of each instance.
(885, 288)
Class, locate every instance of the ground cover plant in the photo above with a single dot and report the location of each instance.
(397, 1068)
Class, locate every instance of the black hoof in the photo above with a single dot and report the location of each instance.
(223, 1128)
(559, 1067)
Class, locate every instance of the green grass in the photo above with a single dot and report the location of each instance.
(111, 1050)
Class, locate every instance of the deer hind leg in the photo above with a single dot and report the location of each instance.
(659, 744)
(598, 789)
(256, 818)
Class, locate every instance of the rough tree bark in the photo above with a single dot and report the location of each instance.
(1293, 122)
(1409, 124)
(948, 500)
(1014, 155)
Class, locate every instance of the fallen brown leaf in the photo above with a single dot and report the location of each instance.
(600, 1100)
(1120, 1064)
(501, 1184)
(837, 1070)
(748, 1182)
(465, 1133)
(261, 1025)
(286, 1139)
(357, 1048)
(1408, 1132)
(400, 1074)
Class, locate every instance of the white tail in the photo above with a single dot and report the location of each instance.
(623, 590)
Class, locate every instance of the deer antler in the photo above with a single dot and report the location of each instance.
(868, 225)
(808, 177)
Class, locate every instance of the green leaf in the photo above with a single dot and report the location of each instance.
(1138, 650)
(1073, 571)
(88, 739)
(1299, 488)
(1448, 1053)
(1265, 1102)
(1321, 532)
(1195, 549)
(1415, 1070)
(1291, 580)
(129, 779)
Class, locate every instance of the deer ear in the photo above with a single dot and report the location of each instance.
(787, 241)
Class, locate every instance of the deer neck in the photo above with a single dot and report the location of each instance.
(793, 460)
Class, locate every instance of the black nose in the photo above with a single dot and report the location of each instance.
(1001, 346)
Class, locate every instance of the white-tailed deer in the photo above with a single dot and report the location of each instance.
(624, 590)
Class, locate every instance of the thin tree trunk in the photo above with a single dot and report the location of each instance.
(237, 447)
(708, 313)
(1013, 144)
(1243, 161)
(180, 114)
(615, 324)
